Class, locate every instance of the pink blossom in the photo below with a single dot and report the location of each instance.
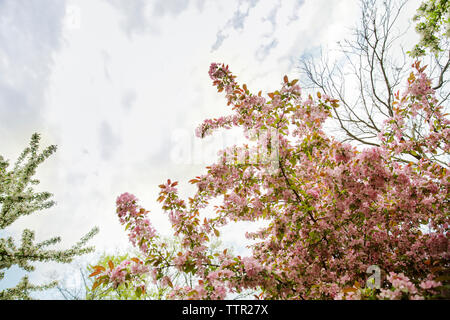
(314, 192)
(251, 266)
(429, 284)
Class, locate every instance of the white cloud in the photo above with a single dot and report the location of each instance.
(29, 34)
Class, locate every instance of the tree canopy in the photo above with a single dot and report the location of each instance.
(18, 198)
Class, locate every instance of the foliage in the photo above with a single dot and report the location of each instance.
(18, 198)
(332, 211)
(94, 292)
(433, 25)
(139, 286)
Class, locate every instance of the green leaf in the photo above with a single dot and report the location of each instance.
(192, 293)
(138, 292)
(442, 278)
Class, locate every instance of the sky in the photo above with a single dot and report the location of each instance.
(120, 86)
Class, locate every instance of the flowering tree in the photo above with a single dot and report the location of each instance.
(333, 212)
(433, 25)
(17, 198)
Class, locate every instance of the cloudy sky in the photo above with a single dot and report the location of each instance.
(120, 85)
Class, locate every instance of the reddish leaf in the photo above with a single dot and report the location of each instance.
(99, 268)
(96, 272)
(95, 285)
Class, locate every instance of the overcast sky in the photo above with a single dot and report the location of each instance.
(120, 85)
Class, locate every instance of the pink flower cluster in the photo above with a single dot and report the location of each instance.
(126, 206)
(402, 287)
(251, 266)
(118, 275)
(418, 102)
(141, 229)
